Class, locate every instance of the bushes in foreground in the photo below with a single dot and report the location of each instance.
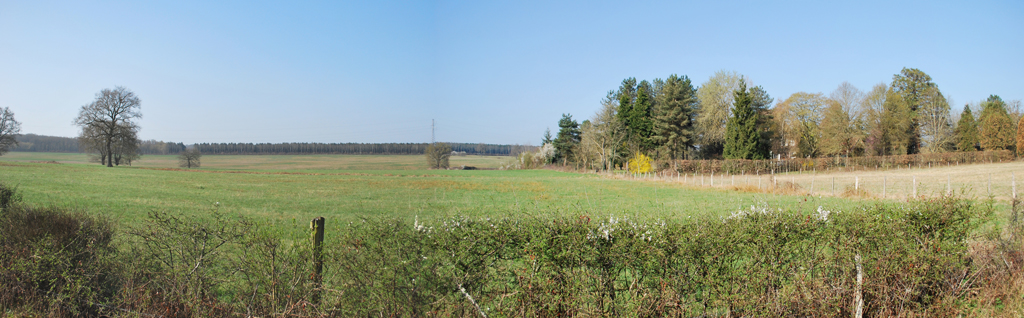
(921, 258)
(758, 262)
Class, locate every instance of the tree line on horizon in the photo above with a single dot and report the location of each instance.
(357, 148)
(40, 143)
(727, 117)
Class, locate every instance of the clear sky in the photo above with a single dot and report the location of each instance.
(487, 71)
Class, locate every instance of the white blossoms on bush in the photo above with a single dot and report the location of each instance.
(421, 227)
(823, 214)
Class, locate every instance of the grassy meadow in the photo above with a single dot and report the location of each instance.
(342, 187)
(406, 241)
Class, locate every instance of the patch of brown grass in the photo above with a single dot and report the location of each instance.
(852, 192)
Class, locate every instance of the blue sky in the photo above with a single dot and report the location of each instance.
(487, 71)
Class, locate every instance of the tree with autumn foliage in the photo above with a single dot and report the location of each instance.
(1020, 136)
(995, 128)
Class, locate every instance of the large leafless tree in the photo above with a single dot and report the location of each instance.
(9, 129)
(190, 158)
(108, 124)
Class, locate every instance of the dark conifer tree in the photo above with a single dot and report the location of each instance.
(673, 117)
(568, 138)
(967, 131)
(742, 138)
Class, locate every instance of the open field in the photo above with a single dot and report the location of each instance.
(274, 162)
(129, 193)
(517, 240)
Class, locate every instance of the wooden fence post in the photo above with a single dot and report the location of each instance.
(858, 292)
(317, 226)
(949, 185)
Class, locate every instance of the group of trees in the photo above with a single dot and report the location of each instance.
(726, 117)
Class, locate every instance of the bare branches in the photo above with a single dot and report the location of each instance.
(190, 158)
(9, 129)
(108, 127)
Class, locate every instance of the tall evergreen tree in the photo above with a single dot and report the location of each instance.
(742, 138)
(568, 138)
(641, 123)
(967, 131)
(626, 96)
(673, 117)
(761, 102)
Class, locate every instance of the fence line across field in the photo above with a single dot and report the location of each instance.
(889, 184)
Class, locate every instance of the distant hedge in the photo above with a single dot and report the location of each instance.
(737, 166)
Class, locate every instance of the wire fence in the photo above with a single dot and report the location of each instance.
(998, 181)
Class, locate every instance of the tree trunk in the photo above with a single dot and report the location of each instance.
(110, 154)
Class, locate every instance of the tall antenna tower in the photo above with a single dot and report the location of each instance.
(431, 131)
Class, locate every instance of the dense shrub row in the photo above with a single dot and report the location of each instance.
(737, 166)
(917, 259)
(761, 262)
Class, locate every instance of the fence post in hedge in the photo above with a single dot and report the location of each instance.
(833, 186)
(1013, 182)
(858, 296)
(317, 225)
(856, 183)
(915, 186)
(883, 187)
(989, 184)
(949, 185)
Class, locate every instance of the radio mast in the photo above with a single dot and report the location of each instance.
(431, 131)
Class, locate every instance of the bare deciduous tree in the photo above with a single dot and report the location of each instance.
(9, 129)
(842, 126)
(936, 125)
(438, 154)
(715, 97)
(107, 120)
(190, 158)
(603, 136)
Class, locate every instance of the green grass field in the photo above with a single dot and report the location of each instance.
(282, 188)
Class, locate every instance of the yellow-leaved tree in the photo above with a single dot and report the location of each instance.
(640, 163)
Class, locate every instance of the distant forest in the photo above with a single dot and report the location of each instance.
(354, 148)
(38, 143)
